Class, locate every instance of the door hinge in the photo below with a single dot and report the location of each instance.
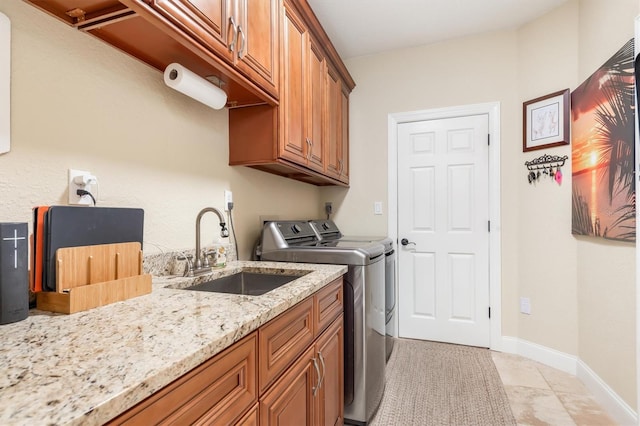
(488, 139)
(489, 311)
(489, 225)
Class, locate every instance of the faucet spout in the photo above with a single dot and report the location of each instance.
(223, 231)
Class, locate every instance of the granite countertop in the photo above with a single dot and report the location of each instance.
(88, 367)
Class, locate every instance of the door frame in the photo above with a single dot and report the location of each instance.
(492, 109)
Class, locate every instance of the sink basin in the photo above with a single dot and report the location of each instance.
(245, 283)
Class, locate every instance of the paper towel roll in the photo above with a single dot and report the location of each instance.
(187, 82)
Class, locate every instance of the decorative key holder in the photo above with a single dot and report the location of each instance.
(546, 166)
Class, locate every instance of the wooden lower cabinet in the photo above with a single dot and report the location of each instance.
(288, 372)
(216, 392)
(330, 351)
(311, 392)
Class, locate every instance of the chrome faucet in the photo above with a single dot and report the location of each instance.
(198, 265)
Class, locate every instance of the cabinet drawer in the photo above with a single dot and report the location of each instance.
(218, 391)
(328, 305)
(282, 340)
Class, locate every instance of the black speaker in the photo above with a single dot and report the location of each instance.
(14, 274)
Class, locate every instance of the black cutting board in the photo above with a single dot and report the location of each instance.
(68, 226)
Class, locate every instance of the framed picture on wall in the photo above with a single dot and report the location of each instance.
(545, 121)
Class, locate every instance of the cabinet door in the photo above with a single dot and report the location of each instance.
(333, 135)
(343, 152)
(315, 105)
(207, 21)
(251, 418)
(293, 145)
(257, 45)
(330, 397)
(290, 401)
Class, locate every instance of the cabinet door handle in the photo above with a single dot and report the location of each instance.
(341, 163)
(324, 368)
(243, 42)
(309, 145)
(234, 39)
(315, 388)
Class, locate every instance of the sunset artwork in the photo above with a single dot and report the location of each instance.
(602, 154)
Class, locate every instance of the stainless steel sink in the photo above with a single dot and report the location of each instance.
(245, 283)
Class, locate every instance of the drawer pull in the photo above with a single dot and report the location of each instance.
(324, 368)
(315, 388)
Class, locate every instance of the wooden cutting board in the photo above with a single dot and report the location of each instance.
(79, 266)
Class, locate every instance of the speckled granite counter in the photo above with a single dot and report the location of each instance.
(88, 367)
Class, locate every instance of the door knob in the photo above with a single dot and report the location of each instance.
(406, 242)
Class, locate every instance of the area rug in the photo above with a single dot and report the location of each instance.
(431, 383)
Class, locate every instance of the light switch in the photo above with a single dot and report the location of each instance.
(377, 207)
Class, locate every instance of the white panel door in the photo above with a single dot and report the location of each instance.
(443, 213)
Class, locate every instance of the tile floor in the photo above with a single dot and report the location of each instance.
(541, 395)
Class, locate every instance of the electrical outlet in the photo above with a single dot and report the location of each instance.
(525, 305)
(228, 198)
(328, 208)
(80, 179)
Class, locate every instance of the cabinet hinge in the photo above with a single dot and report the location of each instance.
(488, 139)
(489, 225)
(489, 311)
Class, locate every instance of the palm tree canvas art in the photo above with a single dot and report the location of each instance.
(602, 153)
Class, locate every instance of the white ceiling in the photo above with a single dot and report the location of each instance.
(364, 27)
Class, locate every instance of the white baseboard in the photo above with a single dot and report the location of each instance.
(606, 397)
(603, 394)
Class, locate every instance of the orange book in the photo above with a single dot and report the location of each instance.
(37, 254)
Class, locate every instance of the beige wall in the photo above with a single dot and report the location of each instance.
(547, 62)
(459, 72)
(606, 271)
(79, 103)
(582, 291)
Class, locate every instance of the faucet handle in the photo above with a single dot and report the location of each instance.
(188, 268)
(206, 254)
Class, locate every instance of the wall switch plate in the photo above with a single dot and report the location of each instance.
(85, 181)
(525, 305)
(377, 207)
(228, 198)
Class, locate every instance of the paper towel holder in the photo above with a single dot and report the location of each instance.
(201, 89)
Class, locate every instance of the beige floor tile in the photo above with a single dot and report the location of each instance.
(515, 370)
(560, 381)
(537, 407)
(584, 410)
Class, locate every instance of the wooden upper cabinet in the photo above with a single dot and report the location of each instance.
(315, 105)
(333, 132)
(344, 140)
(293, 144)
(242, 32)
(207, 21)
(301, 109)
(257, 50)
(234, 43)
